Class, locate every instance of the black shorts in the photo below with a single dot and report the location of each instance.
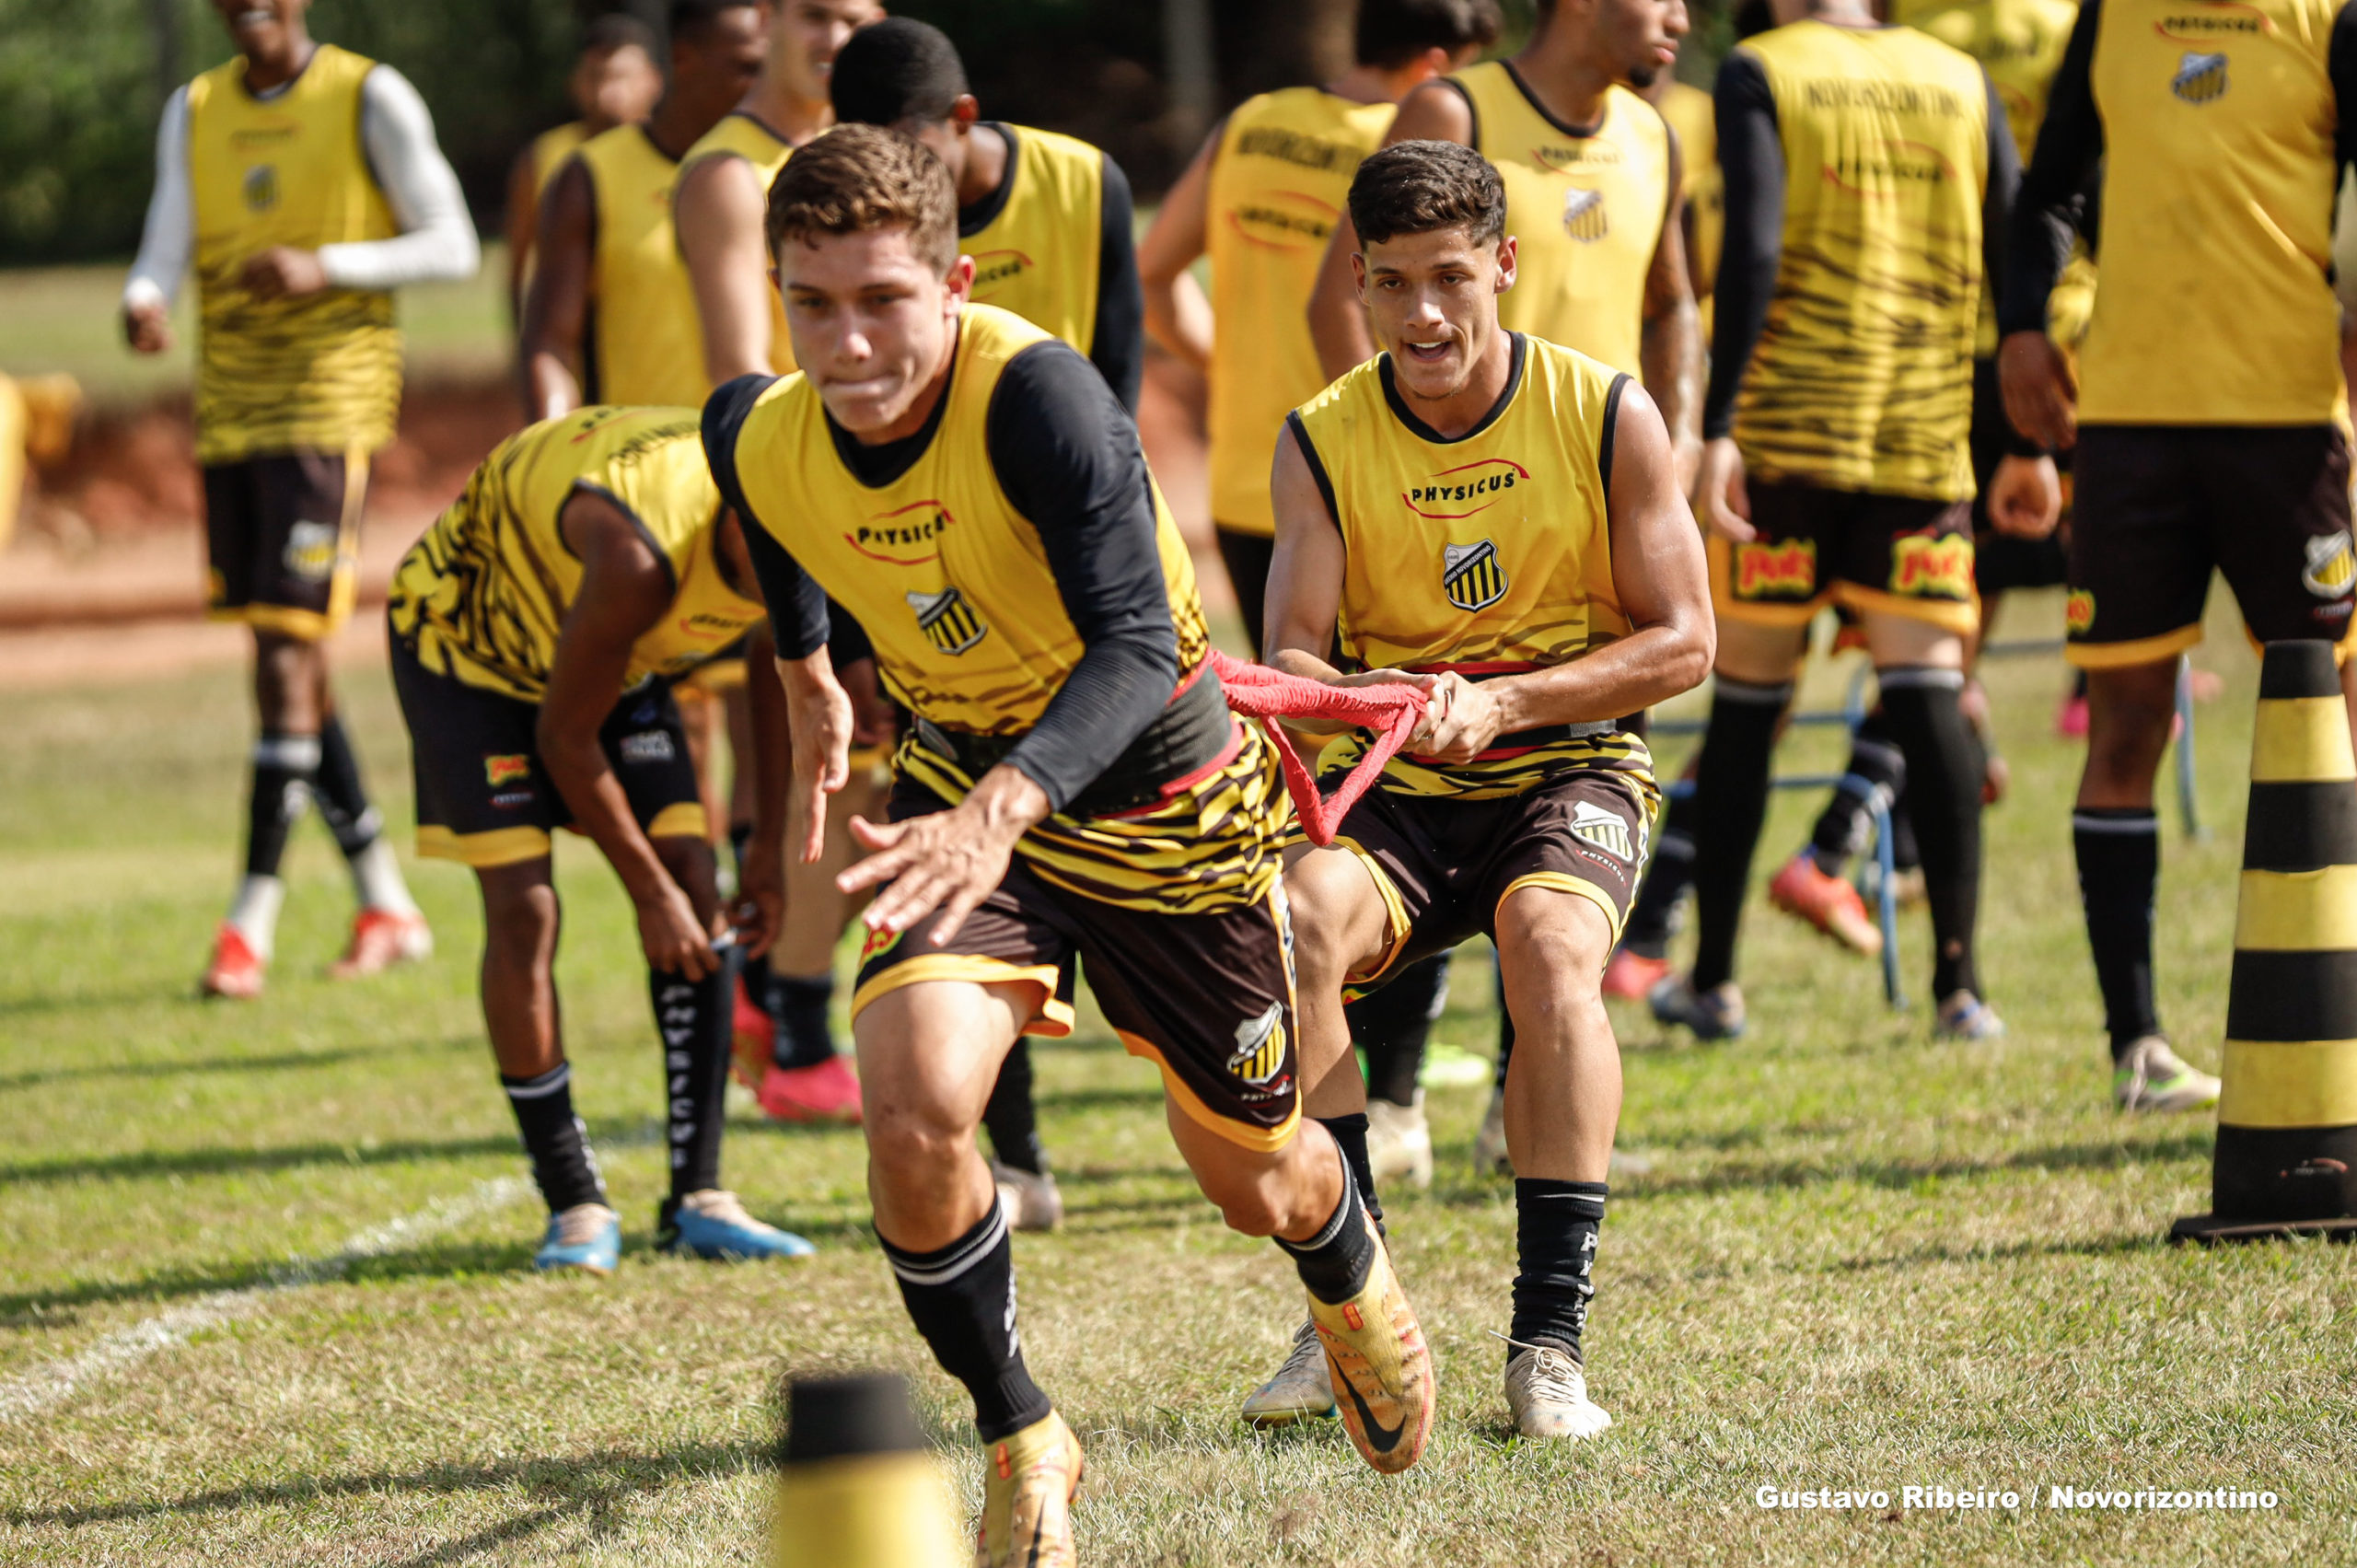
(1247, 557)
(283, 539)
(482, 795)
(2001, 563)
(1445, 865)
(1869, 552)
(2159, 506)
(1207, 998)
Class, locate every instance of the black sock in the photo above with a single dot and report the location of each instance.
(1730, 802)
(1846, 824)
(1555, 1234)
(962, 1300)
(2120, 864)
(1335, 1262)
(554, 1138)
(285, 767)
(753, 973)
(693, 1016)
(1652, 919)
(800, 1032)
(1011, 1117)
(343, 799)
(1944, 770)
(1906, 852)
(1395, 1024)
(1349, 1136)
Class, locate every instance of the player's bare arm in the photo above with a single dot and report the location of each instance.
(1178, 316)
(556, 306)
(1433, 112)
(625, 591)
(720, 209)
(1671, 343)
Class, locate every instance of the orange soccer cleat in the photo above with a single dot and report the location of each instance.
(1381, 1369)
(235, 973)
(828, 1092)
(1633, 976)
(1805, 889)
(382, 938)
(748, 1036)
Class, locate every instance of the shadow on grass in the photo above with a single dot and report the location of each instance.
(285, 1061)
(442, 1260)
(136, 995)
(145, 1163)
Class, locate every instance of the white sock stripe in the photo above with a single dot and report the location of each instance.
(2148, 823)
(540, 1088)
(296, 753)
(957, 1263)
(1729, 690)
(1920, 677)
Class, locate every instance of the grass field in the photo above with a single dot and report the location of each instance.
(1842, 1257)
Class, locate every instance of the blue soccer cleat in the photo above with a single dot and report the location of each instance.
(713, 1225)
(587, 1237)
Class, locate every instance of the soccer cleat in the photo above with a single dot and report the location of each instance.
(713, 1225)
(382, 938)
(828, 1092)
(587, 1237)
(235, 973)
(1027, 1488)
(1398, 1144)
(1382, 1371)
(1631, 975)
(1490, 1157)
(1967, 1018)
(1716, 1013)
(2150, 1076)
(1030, 1197)
(748, 1041)
(1547, 1392)
(1303, 1388)
(1806, 889)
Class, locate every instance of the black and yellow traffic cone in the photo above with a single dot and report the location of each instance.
(857, 1488)
(2286, 1160)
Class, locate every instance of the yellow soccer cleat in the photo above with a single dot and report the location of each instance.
(1381, 1367)
(1027, 1498)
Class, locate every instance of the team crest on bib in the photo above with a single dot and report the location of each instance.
(1593, 824)
(262, 188)
(1471, 575)
(2201, 77)
(947, 622)
(2331, 568)
(1260, 1053)
(1584, 217)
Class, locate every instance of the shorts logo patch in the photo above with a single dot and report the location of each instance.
(1471, 575)
(497, 771)
(260, 188)
(1584, 216)
(2331, 568)
(1593, 824)
(310, 551)
(947, 622)
(1261, 1046)
(2200, 78)
(1776, 570)
(2079, 611)
(1932, 568)
(651, 746)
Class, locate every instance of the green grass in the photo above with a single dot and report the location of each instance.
(66, 319)
(1851, 1256)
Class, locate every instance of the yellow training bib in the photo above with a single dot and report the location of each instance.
(738, 135)
(646, 348)
(1035, 251)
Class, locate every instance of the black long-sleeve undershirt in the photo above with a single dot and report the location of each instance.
(2063, 184)
(1751, 159)
(1067, 456)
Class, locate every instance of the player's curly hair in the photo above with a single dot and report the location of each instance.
(857, 179)
(1420, 187)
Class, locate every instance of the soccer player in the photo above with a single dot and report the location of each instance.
(1867, 168)
(2207, 411)
(1692, 116)
(1046, 218)
(535, 630)
(305, 183)
(1496, 519)
(1073, 787)
(614, 82)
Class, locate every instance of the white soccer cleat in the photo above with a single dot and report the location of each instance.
(1303, 1388)
(1490, 1157)
(1398, 1144)
(1032, 1199)
(2150, 1076)
(1547, 1394)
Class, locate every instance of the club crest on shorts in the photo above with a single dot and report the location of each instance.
(310, 551)
(947, 622)
(506, 770)
(2079, 611)
(1471, 574)
(1260, 1053)
(2200, 78)
(2331, 567)
(1593, 824)
(1584, 216)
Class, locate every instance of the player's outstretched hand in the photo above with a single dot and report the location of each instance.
(284, 273)
(674, 940)
(1721, 499)
(2041, 399)
(148, 327)
(820, 717)
(949, 861)
(2026, 498)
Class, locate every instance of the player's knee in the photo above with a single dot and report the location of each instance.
(1323, 892)
(909, 1139)
(519, 917)
(1554, 949)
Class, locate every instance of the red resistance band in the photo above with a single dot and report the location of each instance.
(1257, 691)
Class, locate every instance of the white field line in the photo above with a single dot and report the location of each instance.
(58, 1381)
